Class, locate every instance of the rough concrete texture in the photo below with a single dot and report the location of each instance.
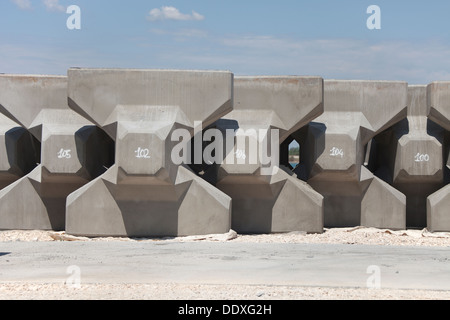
(73, 151)
(438, 215)
(332, 153)
(409, 157)
(146, 193)
(268, 198)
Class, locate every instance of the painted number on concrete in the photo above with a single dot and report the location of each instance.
(142, 153)
(336, 152)
(422, 157)
(240, 154)
(64, 154)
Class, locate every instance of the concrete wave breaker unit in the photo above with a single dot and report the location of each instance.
(332, 153)
(145, 193)
(268, 198)
(438, 204)
(72, 152)
(409, 156)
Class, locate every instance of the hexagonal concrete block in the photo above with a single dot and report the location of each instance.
(409, 156)
(39, 104)
(333, 148)
(267, 198)
(147, 192)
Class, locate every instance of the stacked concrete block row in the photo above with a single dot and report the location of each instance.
(93, 153)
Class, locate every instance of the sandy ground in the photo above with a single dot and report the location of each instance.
(358, 235)
(17, 291)
(350, 236)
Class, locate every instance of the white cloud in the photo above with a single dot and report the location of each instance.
(172, 13)
(54, 5)
(182, 33)
(23, 4)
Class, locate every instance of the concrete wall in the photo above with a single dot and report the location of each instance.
(91, 153)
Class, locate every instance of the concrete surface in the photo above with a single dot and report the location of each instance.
(226, 263)
(409, 157)
(438, 216)
(266, 196)
(145, 193)
(73, 151)
(19, 151)
(333, 150)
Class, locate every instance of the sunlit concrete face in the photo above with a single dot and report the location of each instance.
(419, 153)
(334, 147)
(147, 193)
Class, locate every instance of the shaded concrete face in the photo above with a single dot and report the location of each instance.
(68, 158)
(333, 149)
(19, 151)
(146, 193)
(272, 201)
(409, 156)
(438, 98)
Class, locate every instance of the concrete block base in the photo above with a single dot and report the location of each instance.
(147, 206)
(273, 204)
(370, 202)
(383, 207)
(37, 201)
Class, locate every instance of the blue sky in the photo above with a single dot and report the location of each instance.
(328, 38)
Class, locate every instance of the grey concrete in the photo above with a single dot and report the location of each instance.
(438, 215)
(409, 157)
(73, 151)
(272, 201)
(333, 153)
(145, 193)
(226, 263)
(19, 151)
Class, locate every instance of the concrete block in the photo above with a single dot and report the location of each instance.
(333, 148)
(268, 198)
(409, 157)
(146, 193)
(439, 112)
(73, 152)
